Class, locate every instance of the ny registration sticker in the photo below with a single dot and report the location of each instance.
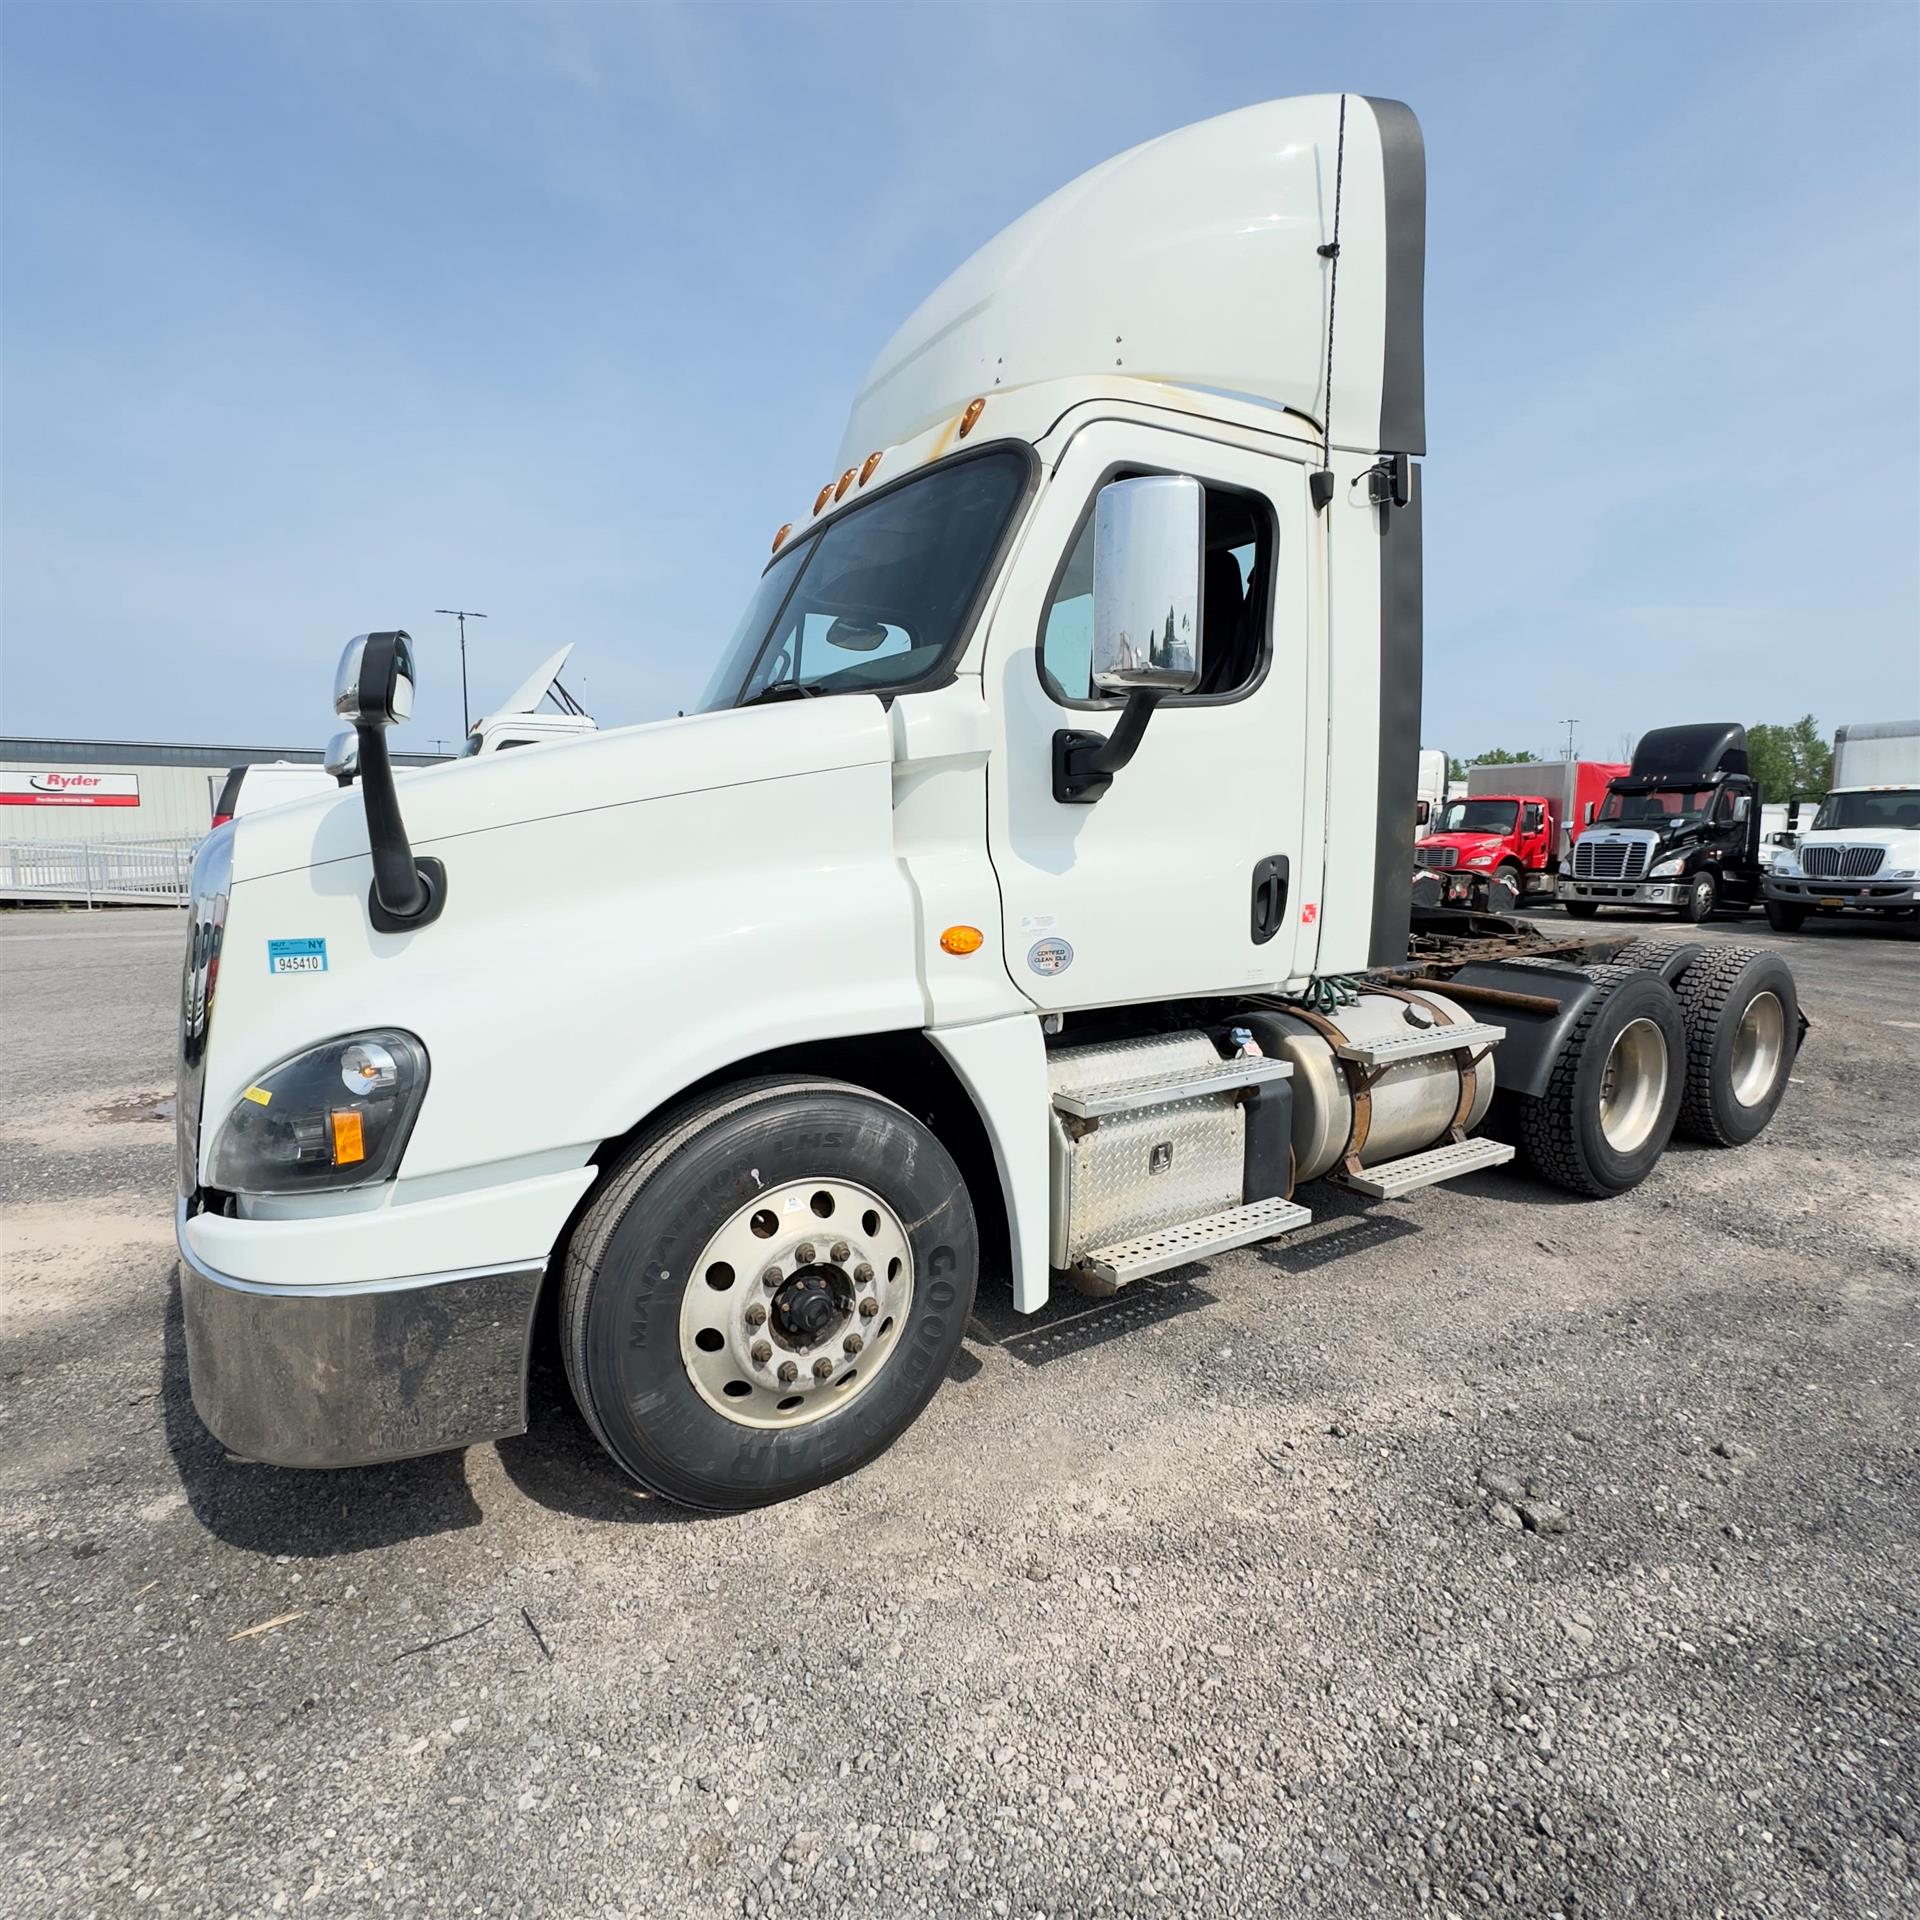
(296, 956)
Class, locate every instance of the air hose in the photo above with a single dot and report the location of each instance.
(1326, 991)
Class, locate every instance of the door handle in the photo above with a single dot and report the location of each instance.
(1269, 897)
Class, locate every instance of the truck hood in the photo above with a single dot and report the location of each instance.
(626, 766)
(1468, 844)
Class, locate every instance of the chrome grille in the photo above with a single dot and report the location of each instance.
(1436, 856)
(1620, 860)
(1841, 863)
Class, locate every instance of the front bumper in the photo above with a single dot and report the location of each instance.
(1625, 893)
(1800, 891)
(341, 1375)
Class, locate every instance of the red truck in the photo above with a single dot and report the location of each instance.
(1514, 830)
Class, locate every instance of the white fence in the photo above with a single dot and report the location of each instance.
(110, 873)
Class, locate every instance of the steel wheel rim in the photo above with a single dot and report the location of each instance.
(1633, 1086)
(812, 1276)
(1758, 1043)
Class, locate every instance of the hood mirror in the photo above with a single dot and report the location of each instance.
(343, 756)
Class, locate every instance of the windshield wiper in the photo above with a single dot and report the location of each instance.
(781, 690)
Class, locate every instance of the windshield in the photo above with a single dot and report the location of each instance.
(1897, 811)
(879, 598)
(1669, 807)
(1479, 816)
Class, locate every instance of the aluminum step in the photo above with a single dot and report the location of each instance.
(1162, 1089)
(1417, 1045)
(1109, 1268)
(1392, 1178)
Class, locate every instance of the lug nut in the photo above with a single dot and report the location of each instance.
(789, 1373)
(762, 1352)
(863, 1275)
(823, 1368)
(772, 1277)
(868, 1308)
(852, 1343)
(804, 1253)
(756, 1315)
(840, 1253)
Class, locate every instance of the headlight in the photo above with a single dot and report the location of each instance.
(1481, 859)
(1666, 869)
(334, 1116)
(1902, 873)
(1785, 863)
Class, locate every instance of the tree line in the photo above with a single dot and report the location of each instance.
(1786, 761)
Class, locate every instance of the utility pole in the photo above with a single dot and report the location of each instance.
(1569, 725)
(463, 616)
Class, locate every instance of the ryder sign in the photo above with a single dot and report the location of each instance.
(56, 788)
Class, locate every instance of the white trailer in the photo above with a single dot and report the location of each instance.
(1033, 884)
(1430, 792)
(1862, 854)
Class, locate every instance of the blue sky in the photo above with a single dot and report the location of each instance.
(318, 317)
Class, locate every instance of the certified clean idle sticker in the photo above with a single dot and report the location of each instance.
(1051, 955)
(296, 956)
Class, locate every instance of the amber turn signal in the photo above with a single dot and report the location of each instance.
(349, 1136)
(961, 940)
(969, 419)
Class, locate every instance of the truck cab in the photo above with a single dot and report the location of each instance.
(1679, 831)
(1488, 843)
(1028, 889)
(1862, 853)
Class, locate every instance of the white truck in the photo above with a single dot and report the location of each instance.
(1430, 790)
(1862, 853)
(1031, 887)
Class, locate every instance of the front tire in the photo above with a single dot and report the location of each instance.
(767, 1292)
(1784, 917)
(1610, 1105)
(1581, 909)
(1702, 894)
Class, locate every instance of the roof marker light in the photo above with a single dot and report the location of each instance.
(821, 498)
(969, 419)
(867, 466)
(846, 480)
(786, 529)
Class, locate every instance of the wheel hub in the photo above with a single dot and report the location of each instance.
(796, 1303)
(812, 1306)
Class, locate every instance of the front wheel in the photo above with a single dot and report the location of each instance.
(1698, 901)
(767, 1292)
(1784, 917)
(1581, 909)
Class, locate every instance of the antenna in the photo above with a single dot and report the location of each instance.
(1569, 725)
(463, 616)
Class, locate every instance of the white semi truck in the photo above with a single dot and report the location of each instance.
(1862, 853)
(1031, 885)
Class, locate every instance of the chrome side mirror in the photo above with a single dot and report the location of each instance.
(1148, 536)
(343, 756)
(374, 684)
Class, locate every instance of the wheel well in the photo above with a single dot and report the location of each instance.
(906, 1068)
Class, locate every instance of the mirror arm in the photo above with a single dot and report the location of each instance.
(1084, 763)
(406, 892)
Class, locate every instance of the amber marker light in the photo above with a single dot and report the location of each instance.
(970, 419)
(781, 535)
(846, 480)
(821, 498)
(961, 940)
(867, 466)
(349, 1136)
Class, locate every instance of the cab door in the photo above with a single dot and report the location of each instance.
(1190, 874)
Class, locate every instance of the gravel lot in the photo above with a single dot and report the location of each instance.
(1197, 1603)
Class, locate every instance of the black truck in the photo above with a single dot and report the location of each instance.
(1679, 831)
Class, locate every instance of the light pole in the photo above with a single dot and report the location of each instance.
(463, 616)
(1569, 725)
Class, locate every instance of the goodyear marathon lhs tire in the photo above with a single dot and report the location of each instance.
(1610, 1105)
(768, 1291)
(1668, 958)
(1743, 1028)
